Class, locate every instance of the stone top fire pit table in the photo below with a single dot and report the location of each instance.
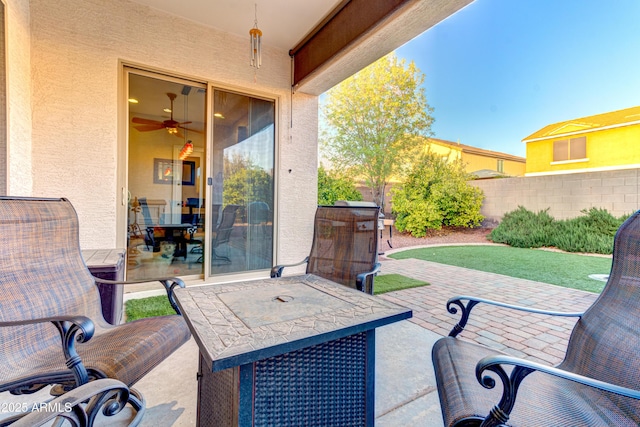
(296, 350)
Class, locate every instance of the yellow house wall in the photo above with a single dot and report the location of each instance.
(607, 148)
(443, 151)
(475, 162)
(512, 168)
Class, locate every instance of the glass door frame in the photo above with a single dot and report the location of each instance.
(212, 87)
(123, 195)
(127, 67)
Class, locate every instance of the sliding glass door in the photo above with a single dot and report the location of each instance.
(166, 162)
(201, 197)
(242, 194)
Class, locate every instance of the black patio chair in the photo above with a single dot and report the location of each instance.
(52, 331)
(344, 248)
(155, 232)
(222, 233)
(597, 383)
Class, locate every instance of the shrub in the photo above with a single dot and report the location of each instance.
(332, 187)
(436, 194)
(525, 229)
(592, 232)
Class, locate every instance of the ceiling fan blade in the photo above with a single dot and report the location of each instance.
(147, 128)
(179, 134)
(191, 130)
(141, 121)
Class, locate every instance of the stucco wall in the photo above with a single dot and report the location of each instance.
(476, 162)
(606, 149)
(19, 171)
(75, 54)
(565, 195)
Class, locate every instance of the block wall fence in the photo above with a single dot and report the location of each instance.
(565, 195)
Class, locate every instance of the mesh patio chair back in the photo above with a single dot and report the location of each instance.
(345, 243)
(146, 213)
(42, 272)
(604, 343)
(43, 275)
(223, 232)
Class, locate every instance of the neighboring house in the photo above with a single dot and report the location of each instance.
(479, 162)
(70, 75)
(602, 142)
(483, 164)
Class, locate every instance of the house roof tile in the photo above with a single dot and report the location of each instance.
(478, 151)
(589, 123)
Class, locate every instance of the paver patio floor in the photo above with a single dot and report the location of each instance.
(532, 336)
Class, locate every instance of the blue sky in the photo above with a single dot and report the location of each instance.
(499, 70)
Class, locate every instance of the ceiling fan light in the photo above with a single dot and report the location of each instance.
(172, 131)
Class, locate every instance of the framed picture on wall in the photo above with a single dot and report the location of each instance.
(164, 171)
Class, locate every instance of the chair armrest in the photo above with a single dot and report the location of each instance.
(104, 394)
(511, 382)
(276, 270)
(71, 329)
(169, 283)
(362, 277)
(466, 310)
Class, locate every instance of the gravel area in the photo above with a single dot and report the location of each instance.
(444, 236)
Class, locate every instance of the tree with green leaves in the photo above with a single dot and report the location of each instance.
(332, 187)
(373, 121)
(245, 182)
(434, 194)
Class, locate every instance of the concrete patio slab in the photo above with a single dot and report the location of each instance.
(405, 382)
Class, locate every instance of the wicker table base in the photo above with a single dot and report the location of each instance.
(326, 384)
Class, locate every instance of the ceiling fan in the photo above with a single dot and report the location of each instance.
(172, 126)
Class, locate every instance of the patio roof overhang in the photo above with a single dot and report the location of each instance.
(357, 33)
(329, 40)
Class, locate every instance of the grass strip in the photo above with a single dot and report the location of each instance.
(147, 307)
(159, 305)
(557, 268)
(394, 282)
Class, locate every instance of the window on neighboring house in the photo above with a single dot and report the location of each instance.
(500, 166)
(570, 149)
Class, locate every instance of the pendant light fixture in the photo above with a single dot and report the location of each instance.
(255, 41)
(187, 148)
(186, 151)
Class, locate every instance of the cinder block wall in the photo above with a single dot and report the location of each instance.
(565, 195)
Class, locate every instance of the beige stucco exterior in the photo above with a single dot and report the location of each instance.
(66, 112)
(65, 89)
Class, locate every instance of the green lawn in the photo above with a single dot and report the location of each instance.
(159, 305)
(394, 282)
(563, 269)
